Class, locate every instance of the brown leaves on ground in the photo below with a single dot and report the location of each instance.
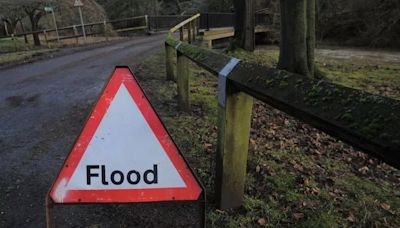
(279, 146)
(351, 218)
(298, 216)
(262, 221)
(385, 206)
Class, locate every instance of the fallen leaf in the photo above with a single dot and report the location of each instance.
(298, 216)
(262, 221)
(316, 190)
(298, 167)
(363, 170)
(207, 145)
(258, 169)
(351, 218)
(385, 206)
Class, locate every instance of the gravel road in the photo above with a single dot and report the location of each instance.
(42, 108)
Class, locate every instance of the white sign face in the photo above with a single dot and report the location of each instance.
(78, 3)
(124, 153)
(124, 150)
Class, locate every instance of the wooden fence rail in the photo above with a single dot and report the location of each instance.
(365, 121)
(96, 28)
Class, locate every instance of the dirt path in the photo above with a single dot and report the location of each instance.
(370, 55)
(42, 108)
(360, 54)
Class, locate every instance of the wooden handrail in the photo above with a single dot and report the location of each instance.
(183, 23)
(365, 121)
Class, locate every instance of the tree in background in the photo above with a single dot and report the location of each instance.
(10, 14)
(297, 36)
(219, 6)
(373, 23)
(34, 9)
(244, 24)
(117, 9)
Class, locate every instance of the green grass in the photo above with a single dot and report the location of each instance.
(14, 45)
(17, 50)
(379, 78)
(374, 77)
(286, 186)
(267, 58)
(20, 56)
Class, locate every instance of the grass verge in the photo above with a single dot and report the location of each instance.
(296, 175)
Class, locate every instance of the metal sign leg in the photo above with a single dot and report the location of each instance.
(49, 204)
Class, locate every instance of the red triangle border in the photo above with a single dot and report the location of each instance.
(192, 191)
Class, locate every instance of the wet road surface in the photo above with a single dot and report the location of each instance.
(42, 108)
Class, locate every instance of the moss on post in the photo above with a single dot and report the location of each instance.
(169, 62)
(233, 141)
(183, 75)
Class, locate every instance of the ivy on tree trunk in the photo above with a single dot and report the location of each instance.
(297, 36)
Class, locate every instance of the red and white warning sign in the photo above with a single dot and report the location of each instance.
(124, 153)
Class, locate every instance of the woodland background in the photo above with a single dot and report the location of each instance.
(372, 23)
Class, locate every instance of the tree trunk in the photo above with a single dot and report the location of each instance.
(34, 16)
(23, 31)
(36, 39)
(178, 6)
(12, 25)
(297, 36)
(244, 24)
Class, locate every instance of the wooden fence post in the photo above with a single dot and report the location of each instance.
(105, 29)
(194, 30)
(233, 140)
(76, 34)
(183, 75)
(14, 42)
(146, 20)
(169, 62)
(198, 26)
(181, 34)
(49, 206)
(46, 38)
(189, 28)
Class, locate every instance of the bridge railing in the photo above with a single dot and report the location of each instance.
(216, 20)
(165, 22)
(365, 121)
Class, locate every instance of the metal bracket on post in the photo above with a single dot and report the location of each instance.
(222, 76)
